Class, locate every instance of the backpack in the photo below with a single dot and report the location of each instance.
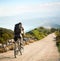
(17, 29)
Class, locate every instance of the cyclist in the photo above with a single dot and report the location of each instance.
(18, 31)
(18, 34)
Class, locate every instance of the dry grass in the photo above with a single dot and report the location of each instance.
(7, 48)
(11, 47)
(26, 43)
(2, 50)
(31, 41)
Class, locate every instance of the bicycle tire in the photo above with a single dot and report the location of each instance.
(21, 49)
(15, 50)
(18, 45)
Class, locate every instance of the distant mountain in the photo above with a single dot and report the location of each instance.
(51, 25)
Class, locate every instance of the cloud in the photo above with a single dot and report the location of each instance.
(46, 8)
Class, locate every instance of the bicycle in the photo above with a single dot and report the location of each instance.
(18, 47)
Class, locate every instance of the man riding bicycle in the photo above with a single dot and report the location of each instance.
(18, 37)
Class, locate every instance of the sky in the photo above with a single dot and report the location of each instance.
(32, 13)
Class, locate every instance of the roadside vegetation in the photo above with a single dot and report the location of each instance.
(58, 39)
(39, 33)
(5, 35)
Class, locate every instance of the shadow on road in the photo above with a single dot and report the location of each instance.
(4, 57)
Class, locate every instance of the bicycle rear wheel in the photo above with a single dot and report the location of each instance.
(15, 49)
(21, 49)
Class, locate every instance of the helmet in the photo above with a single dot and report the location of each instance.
(20, 23)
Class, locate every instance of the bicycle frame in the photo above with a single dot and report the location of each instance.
(18, 47)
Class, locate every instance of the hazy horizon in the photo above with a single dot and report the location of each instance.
(32, 13)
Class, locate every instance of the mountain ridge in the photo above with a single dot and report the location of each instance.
(51, 25)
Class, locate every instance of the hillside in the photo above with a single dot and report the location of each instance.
(39, 33)
(58, 39)
(5, 35)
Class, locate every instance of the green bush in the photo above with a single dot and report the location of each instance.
(5, 35)
(58, 39)
(38, 33)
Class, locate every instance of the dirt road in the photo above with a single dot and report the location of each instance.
(43, 50)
